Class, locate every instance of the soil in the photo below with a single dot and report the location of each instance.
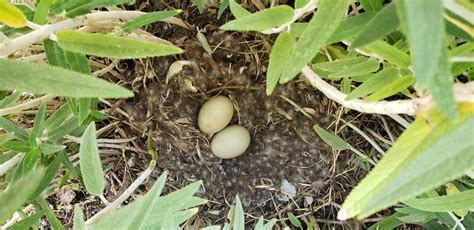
(283, 145)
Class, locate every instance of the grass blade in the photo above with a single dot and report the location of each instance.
(261, 20)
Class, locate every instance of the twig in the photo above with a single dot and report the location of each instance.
(26, 105)
(310, 6)
(462, 92)
(7, 165)
(125, 195)
(45, 31)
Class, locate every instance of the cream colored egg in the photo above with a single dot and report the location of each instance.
(215, 114)
(230, 142)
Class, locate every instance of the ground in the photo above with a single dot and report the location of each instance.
(284, 146)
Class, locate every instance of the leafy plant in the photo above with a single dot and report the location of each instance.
(417, 45)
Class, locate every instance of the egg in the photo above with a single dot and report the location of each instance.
(230, 142)
(215, 114)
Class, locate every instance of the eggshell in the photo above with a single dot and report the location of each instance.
(215, 114)
(230, 142)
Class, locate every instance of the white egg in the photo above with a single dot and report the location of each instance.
(215, 114)
(230, 142)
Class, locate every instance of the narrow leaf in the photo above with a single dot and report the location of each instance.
(106, 45)
(41, 12)
(200, 5)
(89, 160)
(383, 23)
(27, 222)
(40, 79)
(391, 88)
(387, 52)
(79, 223)
(222, 7)
(29, 161)
(59, 116)
(47, 178)
(38, 126)
(17, 193)
(280, 52)
(90, 5)
(324, 22)
(416, 163)
(237, 10)
(6, 137)
(11, 16)
(294, 220)
(10, 100)
(371, 5)
(430, 63)
(390, 222)
(149, 18)
(447, 203)
(332, 140)
(261, 20)
(239, 219)
(50, 215)
(10, 127)
(373, 84)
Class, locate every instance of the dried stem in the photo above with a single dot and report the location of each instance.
(462, 92)
(309, 7)
(26, 105)
(7, 165)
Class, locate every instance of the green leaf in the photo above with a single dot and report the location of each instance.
(38, 125)
(390, 222)
(429, 55)
(371, 5)
(367, 66)
(10, 127)
(42, 10)
(40, 79)
(58, 117)
(49, 213)
(387, 52)
(294, 220)
(277, 63)
(324, 22)
(149, 18)
(332, 140)
(106, 45)
(27, 222)
(54, 53)
(89, 160)
(84, 109)
(391, 88)
(149, 211)
(11, 16)
(29, 161)
(383, 23)
(18, 146)
(47, 178)
(17, 193)
(239, 219)
(10, 100)
(6, 137)
(77, 62)
(262, 20)
(350, 27)
(222, 6)
(79, 223)
(300, 3)
(447, 203)
(237, 10)
(65, 129)
(416, 163)
(90, 5)
(373, 84)
(200, 5)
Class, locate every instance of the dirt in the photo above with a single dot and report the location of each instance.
(283, 145)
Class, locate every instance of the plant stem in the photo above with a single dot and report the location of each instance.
(48, 212)
(26, 105)
(10, 163)
(310, 6)
(462, 93)
(125, 195)
(45, 31)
